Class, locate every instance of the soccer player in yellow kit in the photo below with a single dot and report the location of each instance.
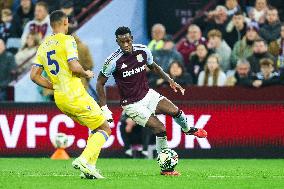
(58, 56)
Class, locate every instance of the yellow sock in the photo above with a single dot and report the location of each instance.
(94, 145)
(93, 160)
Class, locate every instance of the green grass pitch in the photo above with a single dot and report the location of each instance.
(42, 173)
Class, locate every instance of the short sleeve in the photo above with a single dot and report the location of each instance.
(149, 56)
(71, 49)
(108, 68)
(38, 61)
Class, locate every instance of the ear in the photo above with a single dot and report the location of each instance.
(65, 21)
(132, 37)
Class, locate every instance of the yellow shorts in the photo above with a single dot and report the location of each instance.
(82, 109)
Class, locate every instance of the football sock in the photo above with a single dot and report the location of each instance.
(181, 119)
(94, 145)
(92, 161)
(161, 142)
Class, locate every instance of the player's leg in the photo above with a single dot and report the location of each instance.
(159, 130)
(90, 115)
(86, 162)
(95, 142)
(165, 106)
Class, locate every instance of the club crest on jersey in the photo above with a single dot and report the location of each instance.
(123, 66)
(139, 58)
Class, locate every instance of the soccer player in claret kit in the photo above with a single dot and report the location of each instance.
(58, 56)
(128, 67)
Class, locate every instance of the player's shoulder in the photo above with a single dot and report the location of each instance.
(140, 47)
(114, 56)
(143, 48)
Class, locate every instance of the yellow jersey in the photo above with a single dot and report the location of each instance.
(53, 55)
(69, 93)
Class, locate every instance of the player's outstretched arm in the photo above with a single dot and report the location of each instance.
(158, 70)
(78, 70)
(37, 78)
(100, 89)
(102, 97)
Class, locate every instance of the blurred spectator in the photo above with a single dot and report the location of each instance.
(133, 134)
(177, 72)
(198, 61)
(23, 15)
(212, 75)
(8, 65)
(259, 11)
(260, 51)
(40, 24)
(85, 58)
(220, 47)
(216, 19)
(270, 31)
(232, 7)
(5, 4)
(276, 47)
(158, 33)
(167, 54)
(52, 4)
(188, 44)
(244, 48)
(67, 7)
(236, 29)
(242, 75)
(267, 76)
(25, 56)
(5, 24)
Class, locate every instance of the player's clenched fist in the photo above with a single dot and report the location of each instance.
(107, 113)
(90, 74)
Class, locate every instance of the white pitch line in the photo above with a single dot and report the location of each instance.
(55, 175)
(244, 176)
(223, 176)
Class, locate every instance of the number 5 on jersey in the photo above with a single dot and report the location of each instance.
(52, 61)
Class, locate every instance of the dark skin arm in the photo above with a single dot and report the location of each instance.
(158, 70)
(100, 89)
(37, 78)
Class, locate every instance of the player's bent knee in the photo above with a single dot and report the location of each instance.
(108, 131)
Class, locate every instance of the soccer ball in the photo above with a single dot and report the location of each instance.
(60, 140)
(167, 159)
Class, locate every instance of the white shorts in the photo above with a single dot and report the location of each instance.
(141, 111)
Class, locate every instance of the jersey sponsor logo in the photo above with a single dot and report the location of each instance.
(123, 66)
(133, 71)
(139, 58)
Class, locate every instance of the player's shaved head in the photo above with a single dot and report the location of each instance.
(56, 18)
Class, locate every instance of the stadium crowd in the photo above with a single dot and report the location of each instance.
(230, 45)
(227, 46)
(24, 24)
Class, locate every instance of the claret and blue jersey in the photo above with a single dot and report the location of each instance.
(129, 72)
